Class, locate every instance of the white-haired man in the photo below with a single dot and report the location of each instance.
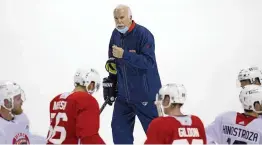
(133, 76)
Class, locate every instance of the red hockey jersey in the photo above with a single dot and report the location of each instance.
(74, 118)
(176, 130)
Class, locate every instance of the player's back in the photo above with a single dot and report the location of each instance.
(176, 130)
(67, 120)
(235, 128)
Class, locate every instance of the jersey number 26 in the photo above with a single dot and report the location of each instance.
(61, 129)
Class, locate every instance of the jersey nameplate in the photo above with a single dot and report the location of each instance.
(239, 132)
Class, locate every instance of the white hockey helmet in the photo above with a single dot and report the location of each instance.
(9, 90)
(250, 73)
(85, 77)
(175, 92)
(250, 95)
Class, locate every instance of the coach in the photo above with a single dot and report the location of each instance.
(133, 70)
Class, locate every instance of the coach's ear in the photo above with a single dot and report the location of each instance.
(111, 66)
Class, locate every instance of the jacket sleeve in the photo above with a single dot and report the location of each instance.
(113, 77)
(146, 58)
(87, 124)
(110, 45)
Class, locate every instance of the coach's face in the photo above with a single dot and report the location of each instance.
(122, 18)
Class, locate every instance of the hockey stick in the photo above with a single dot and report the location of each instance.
(104, 105)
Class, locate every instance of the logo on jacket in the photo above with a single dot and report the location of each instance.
(144, 103)
(132, 50)
(21, 138)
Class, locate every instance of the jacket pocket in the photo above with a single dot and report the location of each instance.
(145, 83)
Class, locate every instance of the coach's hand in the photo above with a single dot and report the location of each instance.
(109, 90)
(117, 51)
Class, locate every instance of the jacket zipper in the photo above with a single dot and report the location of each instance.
(145, 82)
(124, 70)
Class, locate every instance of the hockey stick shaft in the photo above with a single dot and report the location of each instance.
(104, 105)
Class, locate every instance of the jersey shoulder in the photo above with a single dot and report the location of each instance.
(22, 118)
(160, 124)
(195, 118)
(233, 117)
(173, 121)
(57, 97)
(83, 99)
(164, 121)
(227, 116)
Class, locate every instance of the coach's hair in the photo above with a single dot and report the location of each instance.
(125, 6)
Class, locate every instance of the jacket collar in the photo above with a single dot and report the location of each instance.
(131, 28)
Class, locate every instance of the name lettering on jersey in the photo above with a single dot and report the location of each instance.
(188, 132)
(241, 133)
(60, 105)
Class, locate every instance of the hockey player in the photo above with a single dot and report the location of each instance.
(22, 118)
(12, 130)
(174, 127)
(250, 75)
(74, 115)
(17, 109)
(239, 128)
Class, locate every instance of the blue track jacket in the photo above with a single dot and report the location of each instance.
(137, 73)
